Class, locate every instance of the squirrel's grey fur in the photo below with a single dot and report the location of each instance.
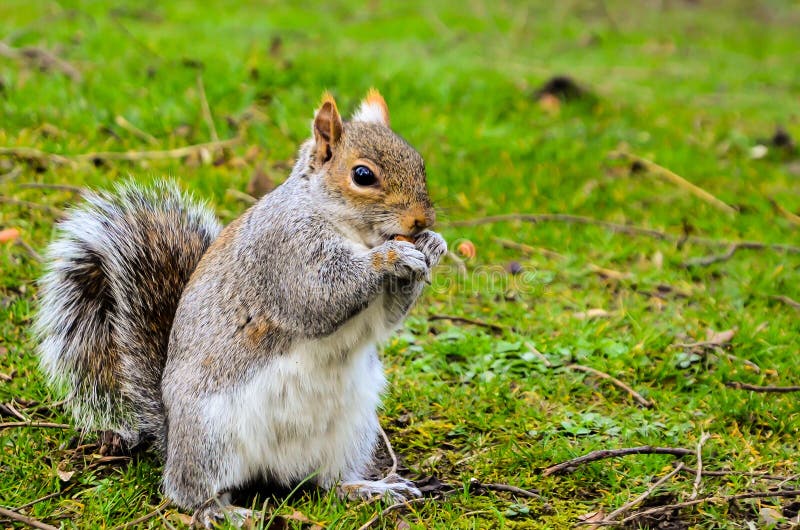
(267, 366)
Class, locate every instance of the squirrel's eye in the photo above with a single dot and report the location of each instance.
(363, 176)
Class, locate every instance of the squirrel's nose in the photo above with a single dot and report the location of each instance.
(419, 219)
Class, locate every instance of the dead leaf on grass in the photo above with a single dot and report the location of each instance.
(64, 475)
(591, 313)
(592, 517)
(770, 516)
(719, 338)
(609, 274)
(299, 517)
(182, 518)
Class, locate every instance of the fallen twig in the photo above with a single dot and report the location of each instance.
(676, 179)
(33, 205)
(41, 58)
(625, 229)
(732, 472)
(787, 480)
(29, 249)
(699, 475)
(30, 153)
(713, 499)
(241, 196)
(179, 152)
(786, 300)
(638, 500)
(569, 465)
(756, 388)
(705, 261)
(12, 411)
(11, 175)
(393, 456)
(392, 508)
(38, 424)
(147, 517)
(35, 408)
(753, 366)
(30, 521)
(460, 265)
(61, 187)
(134, 130)
(616, 382)
(111, 460)
(465, 320)
(44, 498)
(783, 212)
(527, 249)
(539, 355)
(206, 109)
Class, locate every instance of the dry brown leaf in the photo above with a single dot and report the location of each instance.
(63, 474)
(610, 274)
(592, 313)
(770, 516)
(592, 517)
(719, 338)
(298, 516)
(182, 518)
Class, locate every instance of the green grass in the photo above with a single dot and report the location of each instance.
(691, 86)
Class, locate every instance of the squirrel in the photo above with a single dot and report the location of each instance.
(248, 352)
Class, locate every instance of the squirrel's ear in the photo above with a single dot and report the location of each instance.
(327, 127)
(373, 109)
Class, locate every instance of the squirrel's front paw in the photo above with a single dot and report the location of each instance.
(393, 488)
(432, 245)
(401, 259)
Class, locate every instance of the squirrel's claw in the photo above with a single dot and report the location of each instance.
(432, 245)
(215, 511)
(393, 488)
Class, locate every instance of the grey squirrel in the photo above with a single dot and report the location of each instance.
(250, 351)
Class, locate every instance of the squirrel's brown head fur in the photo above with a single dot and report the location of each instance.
(376, 174)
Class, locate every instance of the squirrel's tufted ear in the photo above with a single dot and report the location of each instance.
(373, 109)
(327, 127)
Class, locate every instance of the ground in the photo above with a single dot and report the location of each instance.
(699, 88)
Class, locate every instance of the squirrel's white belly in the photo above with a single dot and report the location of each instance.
(312, 409)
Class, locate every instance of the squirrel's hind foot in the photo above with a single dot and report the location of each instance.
(112, 444)
(393, 488)
(219, 509)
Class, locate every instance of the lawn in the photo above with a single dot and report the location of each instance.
(670, 92)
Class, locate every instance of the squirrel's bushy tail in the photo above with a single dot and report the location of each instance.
(113, 281)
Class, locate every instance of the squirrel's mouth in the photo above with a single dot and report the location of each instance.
(398, 237)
